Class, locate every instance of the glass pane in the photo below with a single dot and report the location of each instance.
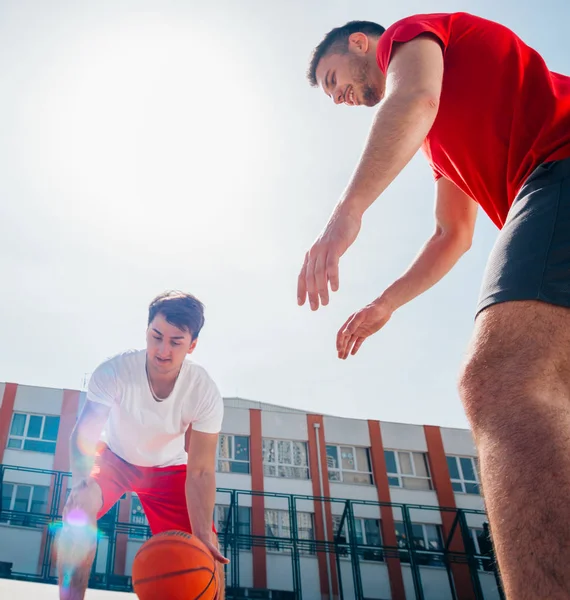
(270, 470)
(34, 426)
(420, 464)
(22, 497)
(7, 490)
(433, 537)
(39, 446)
(405, 463)
(472, 488)
(332, 457)
(358, 531)
(401, 537)
(244, 517)
(372, 528)
(18, 424)
(222, 514)
(51, 428)
(305, 525)
(284, 453)
(269, 451)
(394, 482)
(390, 461)
(414, 483)
(271, 523)
(241, 447)
(334, 476)
(225, 446)
(292, 472)
(452, 467)
(239, 467)
(137, 513)
(468, 470)
(347, 458)
(353, 477)
(362, 459)
(223, 466)
(457, 487)
(39, 500)
(300, 454)
(15, 443)
(418, 536)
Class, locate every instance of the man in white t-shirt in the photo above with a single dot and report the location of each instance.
(130, 437)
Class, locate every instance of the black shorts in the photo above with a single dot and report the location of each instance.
(531, 257)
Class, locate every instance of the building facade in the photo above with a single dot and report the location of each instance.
(309, 505)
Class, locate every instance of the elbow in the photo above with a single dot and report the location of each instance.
(419, 101)
(456, 242)
(198, 475)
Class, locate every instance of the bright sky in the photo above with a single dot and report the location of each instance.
(176, 144)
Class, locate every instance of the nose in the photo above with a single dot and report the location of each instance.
(162, 349)
(338, 97)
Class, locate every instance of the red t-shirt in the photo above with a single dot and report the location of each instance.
(502, 112)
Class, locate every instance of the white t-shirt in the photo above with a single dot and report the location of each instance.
(141, 430)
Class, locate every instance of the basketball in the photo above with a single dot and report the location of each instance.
(174, 565)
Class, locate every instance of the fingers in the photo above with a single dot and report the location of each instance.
(302, 283)
(319, 269)
(357, 345)
(218, 556)
(348, 334)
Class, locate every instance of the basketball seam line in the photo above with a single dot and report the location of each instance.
(170, 574)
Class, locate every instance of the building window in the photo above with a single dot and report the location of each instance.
(138, 517)
(349, 464)
(408, 470)
(233, 454)
(463, 474)
(28, 501)
(367, 533)
(37, 433)
(243, 526)
(285, 458)
(277, 525)
(425, 538)
(484, 548)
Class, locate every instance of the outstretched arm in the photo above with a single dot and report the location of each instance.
(455, 215)
(404, 118)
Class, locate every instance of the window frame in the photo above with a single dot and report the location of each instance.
(230, 461)
(242, 544)
(23, 518)
(400, 476)
(376, 550)
(340, 470)
(462, 481)
(277, 464)
(438, 559)
(25, 437)
(278, 546)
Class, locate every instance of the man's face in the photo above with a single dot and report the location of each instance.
(167, 346)
(352, 78)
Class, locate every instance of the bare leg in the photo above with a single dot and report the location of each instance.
(77, 541)
(516, 391)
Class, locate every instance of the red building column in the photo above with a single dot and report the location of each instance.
(257, 502)
(386, 514)
(6, 410)
(446, 498)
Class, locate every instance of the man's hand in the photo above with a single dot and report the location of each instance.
(210, 541)
(361, 325)
(321, 261)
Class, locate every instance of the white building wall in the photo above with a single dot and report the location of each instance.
(25, 458)
(284, 426)
(375, 580)
(489, 586)
(469, 501)
(353, 432)
(458, 442)
(398, 436)
(20, 546)
(353, 491)
(42, 401)
(234, 481)
(434, 581)
(236, 421)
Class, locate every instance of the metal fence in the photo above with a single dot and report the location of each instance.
(236, 537)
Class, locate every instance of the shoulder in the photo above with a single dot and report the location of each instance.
(120, 365)
(197, 377)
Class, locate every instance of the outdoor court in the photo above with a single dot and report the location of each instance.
(24, 590)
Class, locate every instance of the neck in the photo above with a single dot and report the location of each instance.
(162, 384)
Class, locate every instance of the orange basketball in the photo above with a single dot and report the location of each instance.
(174, 565)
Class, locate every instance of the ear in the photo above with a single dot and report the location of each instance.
(192, 346)
(358, 43)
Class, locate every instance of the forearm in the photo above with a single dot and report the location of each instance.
(201, 499)
(397, 133)
(434, 261)
(81, 455)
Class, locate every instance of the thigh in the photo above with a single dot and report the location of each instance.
(162, 493)
(531, 257)
(113, 475)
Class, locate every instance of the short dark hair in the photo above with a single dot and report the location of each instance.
(336, 40)
(179, 309)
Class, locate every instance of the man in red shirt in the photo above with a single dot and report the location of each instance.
(494, 124)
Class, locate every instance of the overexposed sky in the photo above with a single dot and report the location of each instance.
(176, 144)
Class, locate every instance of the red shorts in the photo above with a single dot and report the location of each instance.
(161, 490)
